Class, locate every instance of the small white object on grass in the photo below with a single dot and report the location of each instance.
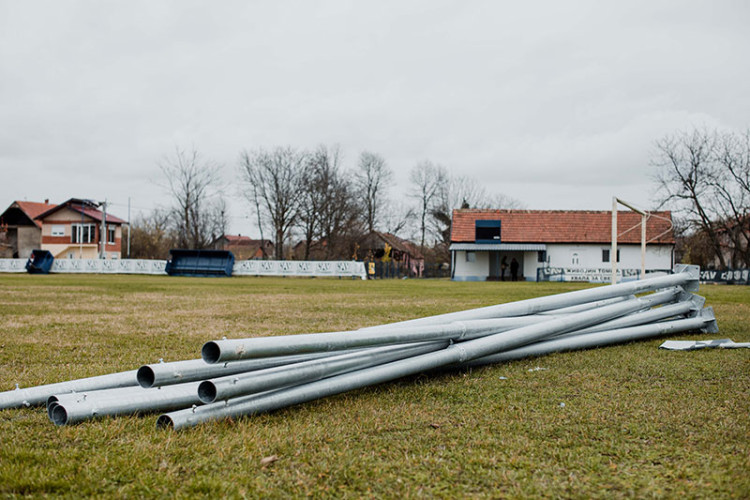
(691, 345)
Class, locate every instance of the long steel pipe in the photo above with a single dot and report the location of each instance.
(685, 276)
(37, 395)
(179, 372)
(254, 382)
(455, 353)
(228, 350)
(704, 322)
(691, 307)
(283, 376)
(233, 349)
(125, 401)
(588, 305)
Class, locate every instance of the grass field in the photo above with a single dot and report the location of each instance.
(636, 421)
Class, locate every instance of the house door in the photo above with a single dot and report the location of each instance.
(494, 266)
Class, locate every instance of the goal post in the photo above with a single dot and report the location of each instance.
(613, 253)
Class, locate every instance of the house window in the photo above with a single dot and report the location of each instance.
(575, 260)
(58, 230)
(83, 233)
(111, 235)
(487, 231)
(541, 256)
(471, 257)
(606, 253)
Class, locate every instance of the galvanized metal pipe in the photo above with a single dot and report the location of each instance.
(228, 350)
(37, 395)
(705, 322)
(455, 353)
(690, 307)
(66, 411)
(588, 305)
(253, 382)
(233, 349)
(685, 276)
(283, 376)
(179, 372)
(74, 398)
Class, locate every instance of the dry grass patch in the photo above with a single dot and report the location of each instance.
(636, 421)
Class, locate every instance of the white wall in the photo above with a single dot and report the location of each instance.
(478, 270)
(588, 257)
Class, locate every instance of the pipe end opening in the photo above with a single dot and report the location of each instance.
(207, 392)
(164, 422)
(59, 415)
(210, 352)
(50, 408)
(146, 377)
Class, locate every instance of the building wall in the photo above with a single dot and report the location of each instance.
(62, 247)
(29, 238)
(590, 256)
(471, 271)
(565, 256)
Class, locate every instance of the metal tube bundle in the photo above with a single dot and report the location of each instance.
(274, 400)
(455, 353)
(229, 350)
(247, 376)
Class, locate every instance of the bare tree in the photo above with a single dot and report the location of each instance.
(274, 179)
(199, 212)
(731, 184)
(373, 177)
(153, 235)
(704, 176)
(427, 181)
(338, 211)
(397, 219)
(309, 215)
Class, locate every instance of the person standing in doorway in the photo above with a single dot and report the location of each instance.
(503, 267)
(514, 269)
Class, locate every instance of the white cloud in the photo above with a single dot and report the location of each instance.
(548, 102)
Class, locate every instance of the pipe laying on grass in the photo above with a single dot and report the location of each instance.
(282, 398)
(124, 401)
(258, 347)
(283, 376)
(253, 382)
(704, 322)
(685, 276)
(179, 372)
(37, 396)
(455, 353)
(690, 307)
(565, 310)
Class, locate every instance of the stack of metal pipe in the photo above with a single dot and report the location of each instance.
(248, 376)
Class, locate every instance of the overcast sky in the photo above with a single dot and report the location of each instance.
(556, 104)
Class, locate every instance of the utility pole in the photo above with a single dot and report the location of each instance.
(103, 232)
(128, 227)
(79, 234)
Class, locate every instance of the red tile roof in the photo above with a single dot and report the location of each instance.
(34, 208)
(83, 207)
(564, 226)
(237, 238)
(97, 214)
(401, 244)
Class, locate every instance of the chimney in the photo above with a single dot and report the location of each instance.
(46, 201)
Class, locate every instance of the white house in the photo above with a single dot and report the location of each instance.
(552, 244)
